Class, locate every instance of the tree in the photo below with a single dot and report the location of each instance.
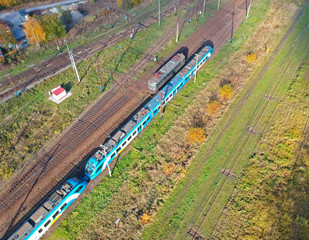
(119, 3)
(66, 17)
(52, 26)
(196, 135)
(34, 31)
(6, 35)
(226, 91)
(213, 107)
(8, 3)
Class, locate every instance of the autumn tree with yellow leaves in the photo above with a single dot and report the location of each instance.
(9, 3)
(196, 135)
(226, 92)
(34, 31)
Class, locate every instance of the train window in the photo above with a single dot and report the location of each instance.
(148, 118)
(113, 155)
(134, 133)
(118, 149)
(174, 92)
(63, 206)
(129, 138)
(139, 128)
(124, 143)
(40, 230)
(156, 111)
(55, 215)
(80, 187)
(144, 123)
(47, 223)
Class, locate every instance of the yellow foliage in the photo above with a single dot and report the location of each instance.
(145, 218)
(119, 3)
(8, 3)
(169, 168)
(213, 107)
(196, 135)
(34, 31)
(251, 57)
(183, 172)
(226, 91)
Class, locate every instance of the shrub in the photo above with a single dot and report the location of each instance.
(226, 92)
(196, 135)
(251, 57)
(213, 107)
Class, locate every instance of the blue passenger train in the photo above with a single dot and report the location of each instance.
(51, 210)
(105, 155)
(61, 199)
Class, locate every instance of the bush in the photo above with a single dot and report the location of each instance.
(251, 57)
(226, 92)
(213, 107)
(196, 135)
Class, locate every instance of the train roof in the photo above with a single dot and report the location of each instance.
(166, 68)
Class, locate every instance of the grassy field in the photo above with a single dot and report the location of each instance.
(30, 121)
(270, 200)
(140, 184)
(211, 188)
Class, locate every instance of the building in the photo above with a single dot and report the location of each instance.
(58, 94)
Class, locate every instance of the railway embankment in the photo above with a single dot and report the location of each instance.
(147, 176)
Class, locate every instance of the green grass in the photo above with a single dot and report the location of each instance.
(142, 157)
(208, 177)
(19, 140)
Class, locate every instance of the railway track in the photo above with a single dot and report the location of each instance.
(61, 62)
(81, 130)
(210, 197)
(162, 225)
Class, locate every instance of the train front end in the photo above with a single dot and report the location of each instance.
(92, 169)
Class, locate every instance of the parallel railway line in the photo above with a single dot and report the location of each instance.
(210, 197)
(83, 127)
(61, 62)
(162, 225)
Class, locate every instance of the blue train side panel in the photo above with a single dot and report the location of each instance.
(104, 156)
(44, 217)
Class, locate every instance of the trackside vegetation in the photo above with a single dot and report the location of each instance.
(30, 121)
(151, 175)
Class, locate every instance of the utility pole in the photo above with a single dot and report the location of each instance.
(131, 26)
(177, 31)
(175, 7)
(100, 79)
(72, 61)
(204, 4)
(248, 9)
(159, 13)
(218, 5)
(13, 87)
(232, 32)
(196, 16)
(196, 68)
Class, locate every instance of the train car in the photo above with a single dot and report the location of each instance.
(104, 156)
(51, 210)
(166, 72)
